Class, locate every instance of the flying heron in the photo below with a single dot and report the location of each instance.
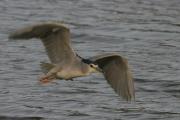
(66, 64)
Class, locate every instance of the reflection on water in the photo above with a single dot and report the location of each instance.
(145, 31)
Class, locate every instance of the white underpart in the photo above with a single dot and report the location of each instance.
(70, 72)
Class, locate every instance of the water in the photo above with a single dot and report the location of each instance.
(147, 32)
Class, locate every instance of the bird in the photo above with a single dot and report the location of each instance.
(66, 64)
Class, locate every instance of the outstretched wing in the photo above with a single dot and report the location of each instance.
(55, 37)
(116, 71)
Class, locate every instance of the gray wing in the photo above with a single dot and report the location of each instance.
(116, 71)
(55, 37)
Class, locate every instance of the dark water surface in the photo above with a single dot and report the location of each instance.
(147, 32)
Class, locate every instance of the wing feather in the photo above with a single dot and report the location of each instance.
(116, 71)
(55, 37)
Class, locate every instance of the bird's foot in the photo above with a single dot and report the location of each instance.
(45, 80)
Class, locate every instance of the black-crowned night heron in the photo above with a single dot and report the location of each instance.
(66, 64)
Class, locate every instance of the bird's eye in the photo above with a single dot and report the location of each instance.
(91, 65)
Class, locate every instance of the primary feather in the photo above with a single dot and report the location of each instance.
(54, 36)
(117, 73)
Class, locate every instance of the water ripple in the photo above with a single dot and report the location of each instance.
(145, 31)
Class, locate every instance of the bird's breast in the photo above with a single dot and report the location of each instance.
(69, 73)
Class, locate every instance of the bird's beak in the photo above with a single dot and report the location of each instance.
(99, 69)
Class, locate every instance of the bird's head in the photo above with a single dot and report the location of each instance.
(95, 68)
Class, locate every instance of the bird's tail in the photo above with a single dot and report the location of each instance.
(40, 30)
(46, 67)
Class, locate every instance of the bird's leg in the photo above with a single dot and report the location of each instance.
(46, 79)
(50, 76)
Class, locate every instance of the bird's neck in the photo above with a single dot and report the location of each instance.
(85, 65)
(87, 61)
(86, 69)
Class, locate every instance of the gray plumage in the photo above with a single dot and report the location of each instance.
(66, 64)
